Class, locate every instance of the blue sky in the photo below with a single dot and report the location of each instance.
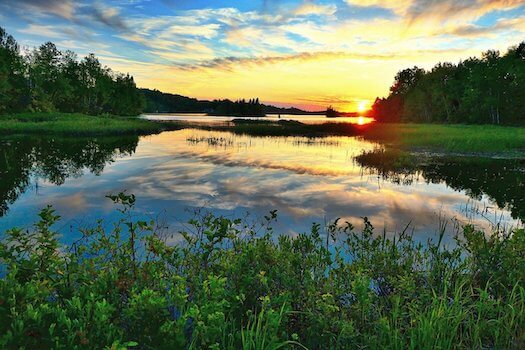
(307, 53)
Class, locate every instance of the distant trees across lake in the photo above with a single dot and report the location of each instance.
(486, 90)
(47, 79)
(163, 102)
(157, 101)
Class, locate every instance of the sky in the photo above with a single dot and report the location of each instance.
(304, 53)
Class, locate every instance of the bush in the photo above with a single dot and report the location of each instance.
(229, 285)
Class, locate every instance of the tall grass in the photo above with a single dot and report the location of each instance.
(75, 124)
(411, 137)
(450, 138)
(230, 285)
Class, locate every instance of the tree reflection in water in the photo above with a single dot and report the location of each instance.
(502, 180)
(54, 159)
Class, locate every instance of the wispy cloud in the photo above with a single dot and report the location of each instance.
(62, 8)
(108, 16)
(42, 30)
(231, 62)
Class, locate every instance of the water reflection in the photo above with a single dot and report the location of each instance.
(202, 118)
(502, 180)
(24, 161)
(306, 179)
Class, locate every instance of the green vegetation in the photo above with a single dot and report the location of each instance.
(280, 128)
(490, 90)
(471, 139)
(48, 80)
(450, 138)
(76, 124)
(163, 102)
(229, 285)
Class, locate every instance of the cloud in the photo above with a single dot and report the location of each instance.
(42, 30)
(62, 8)
(228, 63)
(108, 16)
(289, 51)
(476, 31)
(207, 31)
(451, 10)
(310, 8)
(398, 6)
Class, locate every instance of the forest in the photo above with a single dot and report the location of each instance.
(49, 80)
(163, 102)
(486, 90)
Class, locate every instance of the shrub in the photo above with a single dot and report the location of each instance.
(228, 285)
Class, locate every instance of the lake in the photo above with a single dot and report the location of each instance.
(206, 119)
(177, 174)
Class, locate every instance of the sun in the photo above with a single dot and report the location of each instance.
(362, 106)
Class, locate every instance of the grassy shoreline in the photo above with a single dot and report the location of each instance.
(77, 124)
(459, 138)
(487, 140)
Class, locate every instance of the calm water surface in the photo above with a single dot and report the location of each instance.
(206, 119)
(306, 180)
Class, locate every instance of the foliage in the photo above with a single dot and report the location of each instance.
(468, 139)
(77, 124)
(157, 101)
(486, 139)
(486, 90)
(241, 108)
(163, 102)
(49, 80)
(229, 285)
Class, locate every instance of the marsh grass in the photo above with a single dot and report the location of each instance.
(437, 138)
(450, 138)
(76, 124)
(230, 285)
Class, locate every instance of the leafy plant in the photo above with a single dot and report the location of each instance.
(230, 285)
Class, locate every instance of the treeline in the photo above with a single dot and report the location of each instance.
(162, 102)
(242, 108)
(47, 79)
(486, 90)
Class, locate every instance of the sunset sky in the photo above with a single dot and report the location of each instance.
(289, 52)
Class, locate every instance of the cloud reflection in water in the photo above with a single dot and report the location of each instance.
(307, 180)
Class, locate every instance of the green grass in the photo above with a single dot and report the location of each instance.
(479, 139)
(431, 137)
(75, 124)
(229, 284)
(450, 138)
(277, 128)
